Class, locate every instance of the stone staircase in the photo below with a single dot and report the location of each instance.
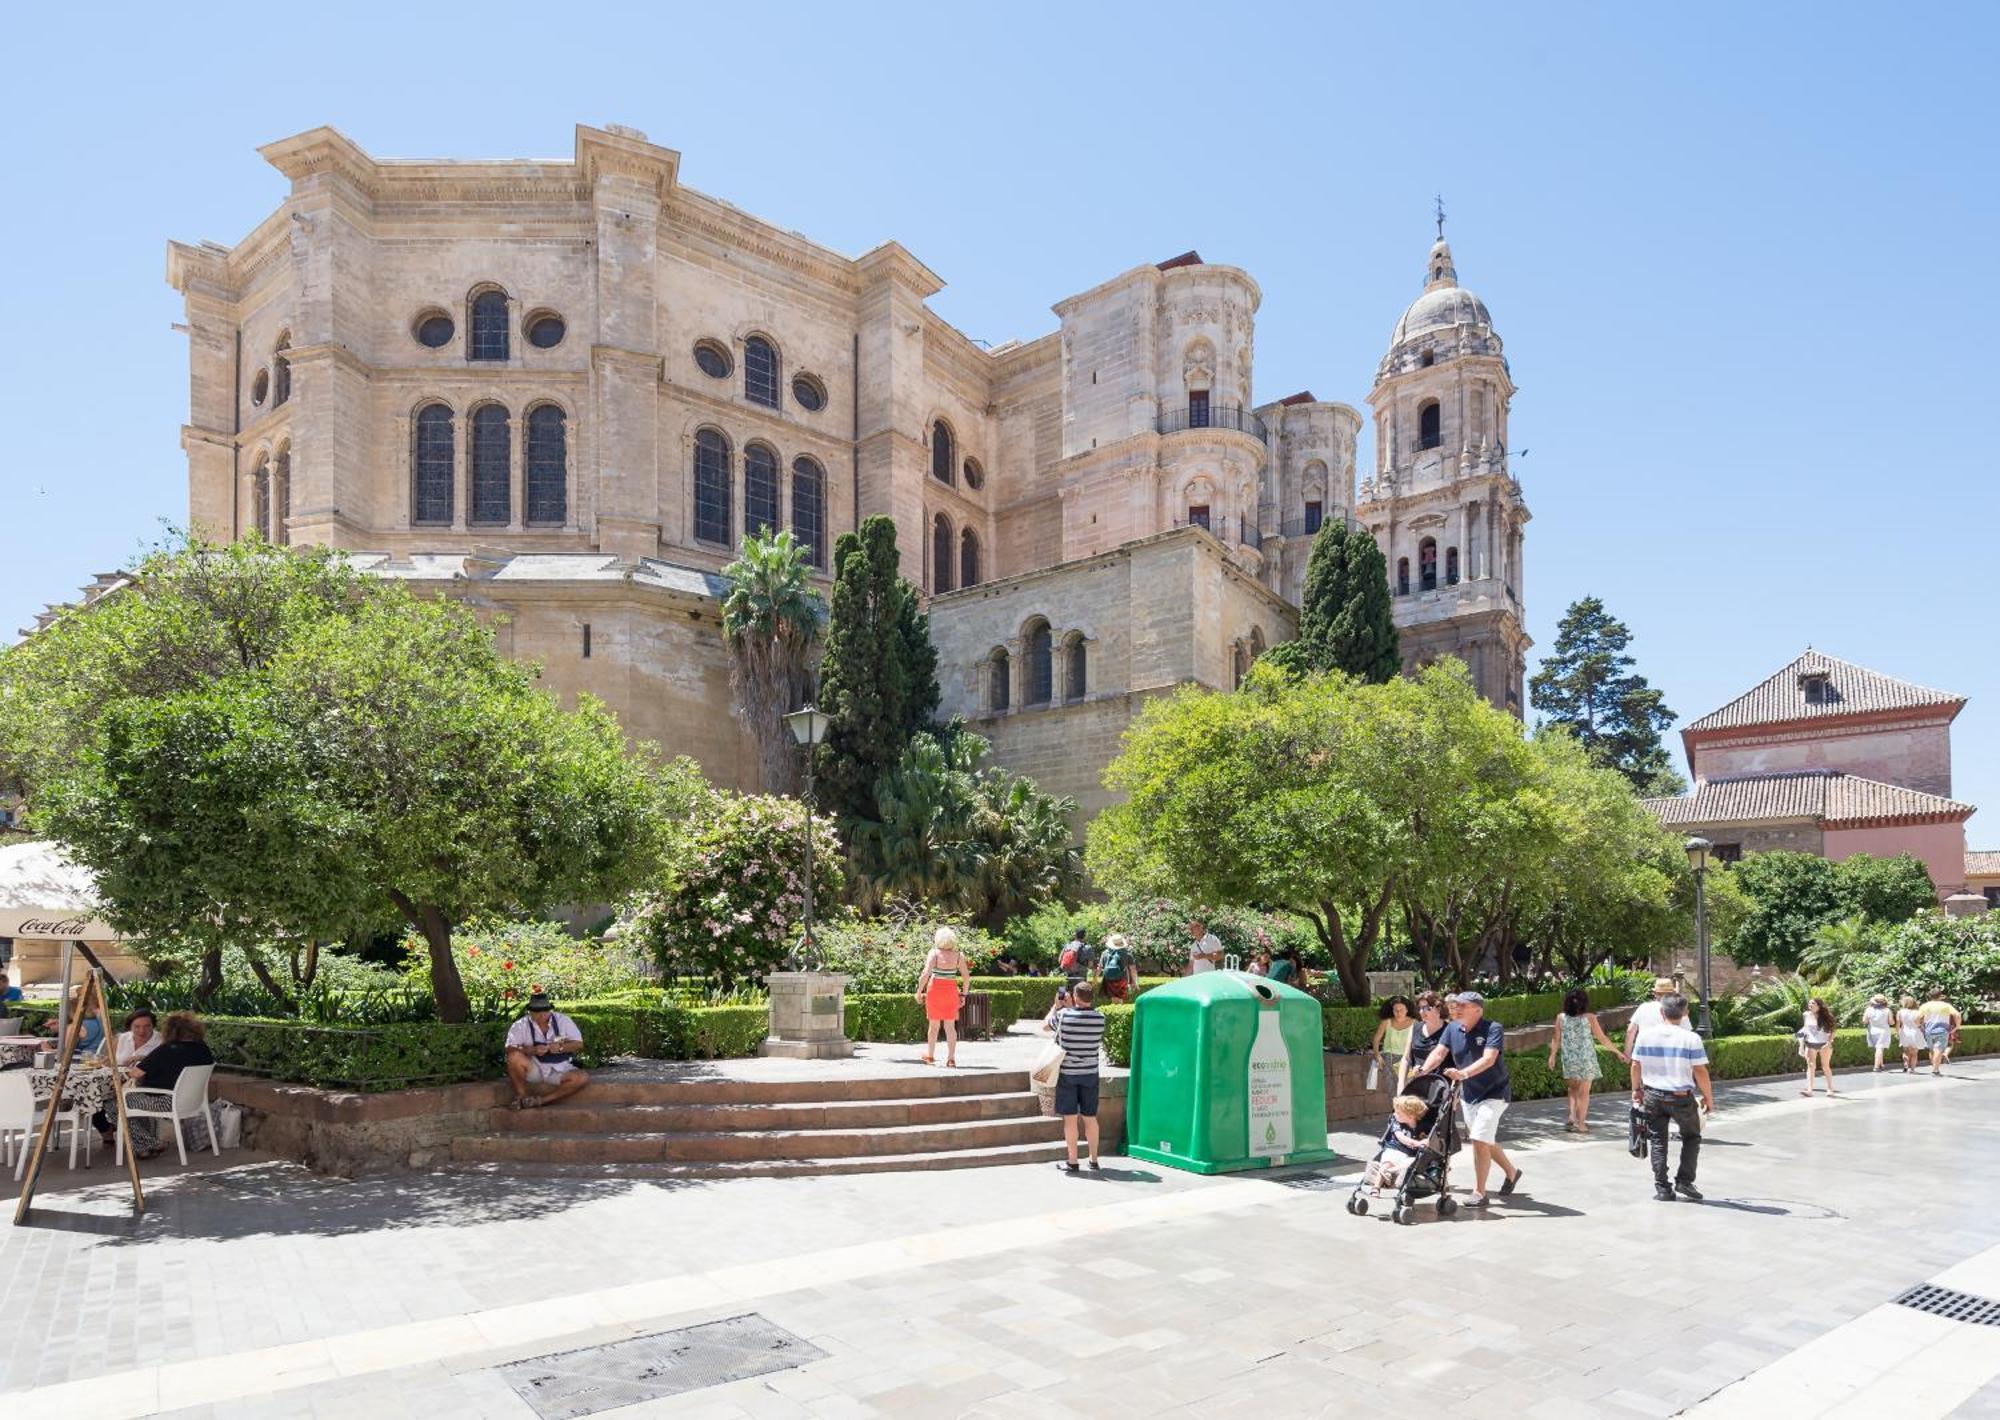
(734, 1128)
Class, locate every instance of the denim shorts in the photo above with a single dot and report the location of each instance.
(1077, 1094)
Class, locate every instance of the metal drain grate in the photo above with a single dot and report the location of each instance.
(570, 1384)
(1952, 1306)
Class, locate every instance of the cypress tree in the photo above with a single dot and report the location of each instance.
(1344, 623)
(879, 678)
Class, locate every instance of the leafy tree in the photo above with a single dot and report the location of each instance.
(1957, 955)
(771, 621)
(1589, 686)
(1886, 889)
(1792, 895)
(879, 677)
(1345, 623)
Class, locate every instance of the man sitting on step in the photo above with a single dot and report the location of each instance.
(541, 1052)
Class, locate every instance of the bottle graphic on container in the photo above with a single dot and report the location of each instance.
(1270, 1088)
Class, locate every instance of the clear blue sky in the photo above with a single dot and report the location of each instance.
(1738, 253)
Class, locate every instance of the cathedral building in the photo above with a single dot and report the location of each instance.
(565, 391)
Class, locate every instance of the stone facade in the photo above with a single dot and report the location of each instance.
(565, 390)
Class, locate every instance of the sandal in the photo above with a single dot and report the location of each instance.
(928, 1059)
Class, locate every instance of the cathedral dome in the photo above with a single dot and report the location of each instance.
(1444, 306)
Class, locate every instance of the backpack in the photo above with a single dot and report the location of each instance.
(1068, 960)
(1113, 965)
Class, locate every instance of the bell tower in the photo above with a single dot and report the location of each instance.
(1443, 504)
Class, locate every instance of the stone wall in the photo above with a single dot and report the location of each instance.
(355, 1134)
(1916, 755)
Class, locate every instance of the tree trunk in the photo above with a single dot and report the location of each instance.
(270, 982)
(210, 980)
(447, 986)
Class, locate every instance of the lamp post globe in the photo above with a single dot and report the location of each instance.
(1697, 851)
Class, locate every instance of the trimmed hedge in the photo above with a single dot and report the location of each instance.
(1118, 1035)
(1351, 1027)
(1038, 993)
(899, 1017)
(391, 1057)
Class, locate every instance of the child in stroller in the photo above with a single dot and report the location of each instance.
(1415, 1157)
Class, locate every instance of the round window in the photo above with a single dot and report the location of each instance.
(434, 330)
(713, 360)
(810, 393)
(260, 386)
(975, 476)
(546, 331)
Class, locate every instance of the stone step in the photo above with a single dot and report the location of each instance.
(607, 1089)
(752, 1144)
(1035, 1153)
(583, 1116)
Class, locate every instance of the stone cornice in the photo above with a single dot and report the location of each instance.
(1207, 271)
(602, 355)
(1276, 414)
(1823, 727)
(1148, 274)
(732, 227)
(601, 153)
(892, 261)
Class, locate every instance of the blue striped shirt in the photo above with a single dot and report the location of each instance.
(1666, 1055)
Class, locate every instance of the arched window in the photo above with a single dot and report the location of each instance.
(968, 558)
(1427, 359)
(711, 486)
(941, 553)
(760, 490)
(489, 327)
(431, 498)
(942, 461)
(1041, 664)
(1451, 566)
(1427, 564)
(548, 466)
(281, 371)
(999, 682)
(760, 372)
(492, 451)
(260, 497)
(1076, 683)
(281, 497)
(809, 509)
(1429, 429)
(1402, 576)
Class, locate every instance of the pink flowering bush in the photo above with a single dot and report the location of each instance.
(734, 907)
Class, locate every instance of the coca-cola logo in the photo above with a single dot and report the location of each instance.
(59, 927)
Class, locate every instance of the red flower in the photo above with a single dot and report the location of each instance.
(506, 966)
(472, 951)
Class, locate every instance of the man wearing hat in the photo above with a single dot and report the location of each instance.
(1474, 1045)
(1647, 1013)
(541, 1051)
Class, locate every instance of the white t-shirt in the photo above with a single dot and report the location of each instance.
(1646, 1013)
(1666, 1055)
(1198, 958)
(523, 1033)
(126, 1052)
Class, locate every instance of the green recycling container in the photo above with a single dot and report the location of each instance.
(1227, 1074)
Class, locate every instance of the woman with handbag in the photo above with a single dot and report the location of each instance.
(946, 977)
(1390, 1049)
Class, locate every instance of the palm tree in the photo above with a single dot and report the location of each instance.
(771, 620)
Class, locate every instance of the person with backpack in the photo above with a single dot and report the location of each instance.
(1118, 968)
(1078, 957)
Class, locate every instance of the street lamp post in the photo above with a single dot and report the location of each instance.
(1697, 851)
(808, 727)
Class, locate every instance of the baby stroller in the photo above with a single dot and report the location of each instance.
(1429, 1173)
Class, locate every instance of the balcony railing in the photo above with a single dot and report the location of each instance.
(1215, 416)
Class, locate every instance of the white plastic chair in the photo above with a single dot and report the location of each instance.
(19, 1117)
(188, 1100)
(11, 1025)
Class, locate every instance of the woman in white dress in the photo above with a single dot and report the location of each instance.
(1910, 1033)
(1879, 1021)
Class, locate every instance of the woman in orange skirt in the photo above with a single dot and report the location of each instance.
(946, 972)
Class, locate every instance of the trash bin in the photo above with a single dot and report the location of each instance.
(1227, 1074)
(975, 1015)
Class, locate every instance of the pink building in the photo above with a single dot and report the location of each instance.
(1831, 758)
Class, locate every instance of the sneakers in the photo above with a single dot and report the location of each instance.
(1663, 1193)
(1688, 1191)
(1508, 1186)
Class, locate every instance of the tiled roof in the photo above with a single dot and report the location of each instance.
(1833, 798)
(1851, 690)
(1982, 863)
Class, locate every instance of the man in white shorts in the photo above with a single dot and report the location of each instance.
(1474, 1046)
(541, 1051)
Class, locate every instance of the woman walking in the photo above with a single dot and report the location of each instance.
(940, 988)
(1941, 1021)
(1880, 1021)
(1816, 1039)
(1391, 1044)
(1426, 1033)
(1571, 1037)
(1910, 1027)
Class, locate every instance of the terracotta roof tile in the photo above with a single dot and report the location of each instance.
(1851, 690)
(1983, 863)
(1832, 798)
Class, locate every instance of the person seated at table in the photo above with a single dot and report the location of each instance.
(8, 990)
(182, 1044)
(90, 1033)
(541, 1052)
(139, 1039)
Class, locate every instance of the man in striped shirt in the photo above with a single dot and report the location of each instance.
(1668, 1062)
(1080, 1033)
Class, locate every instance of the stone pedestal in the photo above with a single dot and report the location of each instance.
(1965, 904)
(1384, 984)
(806, 1016)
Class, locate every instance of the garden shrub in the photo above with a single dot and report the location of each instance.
(388, 1057)
(1351, 1027)
(733, 912)
(881, 956)
(1038, 993)
(1957, 955)
(899, 1017)
(722, 1032)
(505, 962)
(1118, 1036)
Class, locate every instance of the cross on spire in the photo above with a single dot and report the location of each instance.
(1440, 216)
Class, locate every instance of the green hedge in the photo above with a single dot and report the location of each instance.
(1351, 1027)
(391, 1057)
(720, 1032)
(1118, 1035)
(894, 1018)
(1038, 993)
